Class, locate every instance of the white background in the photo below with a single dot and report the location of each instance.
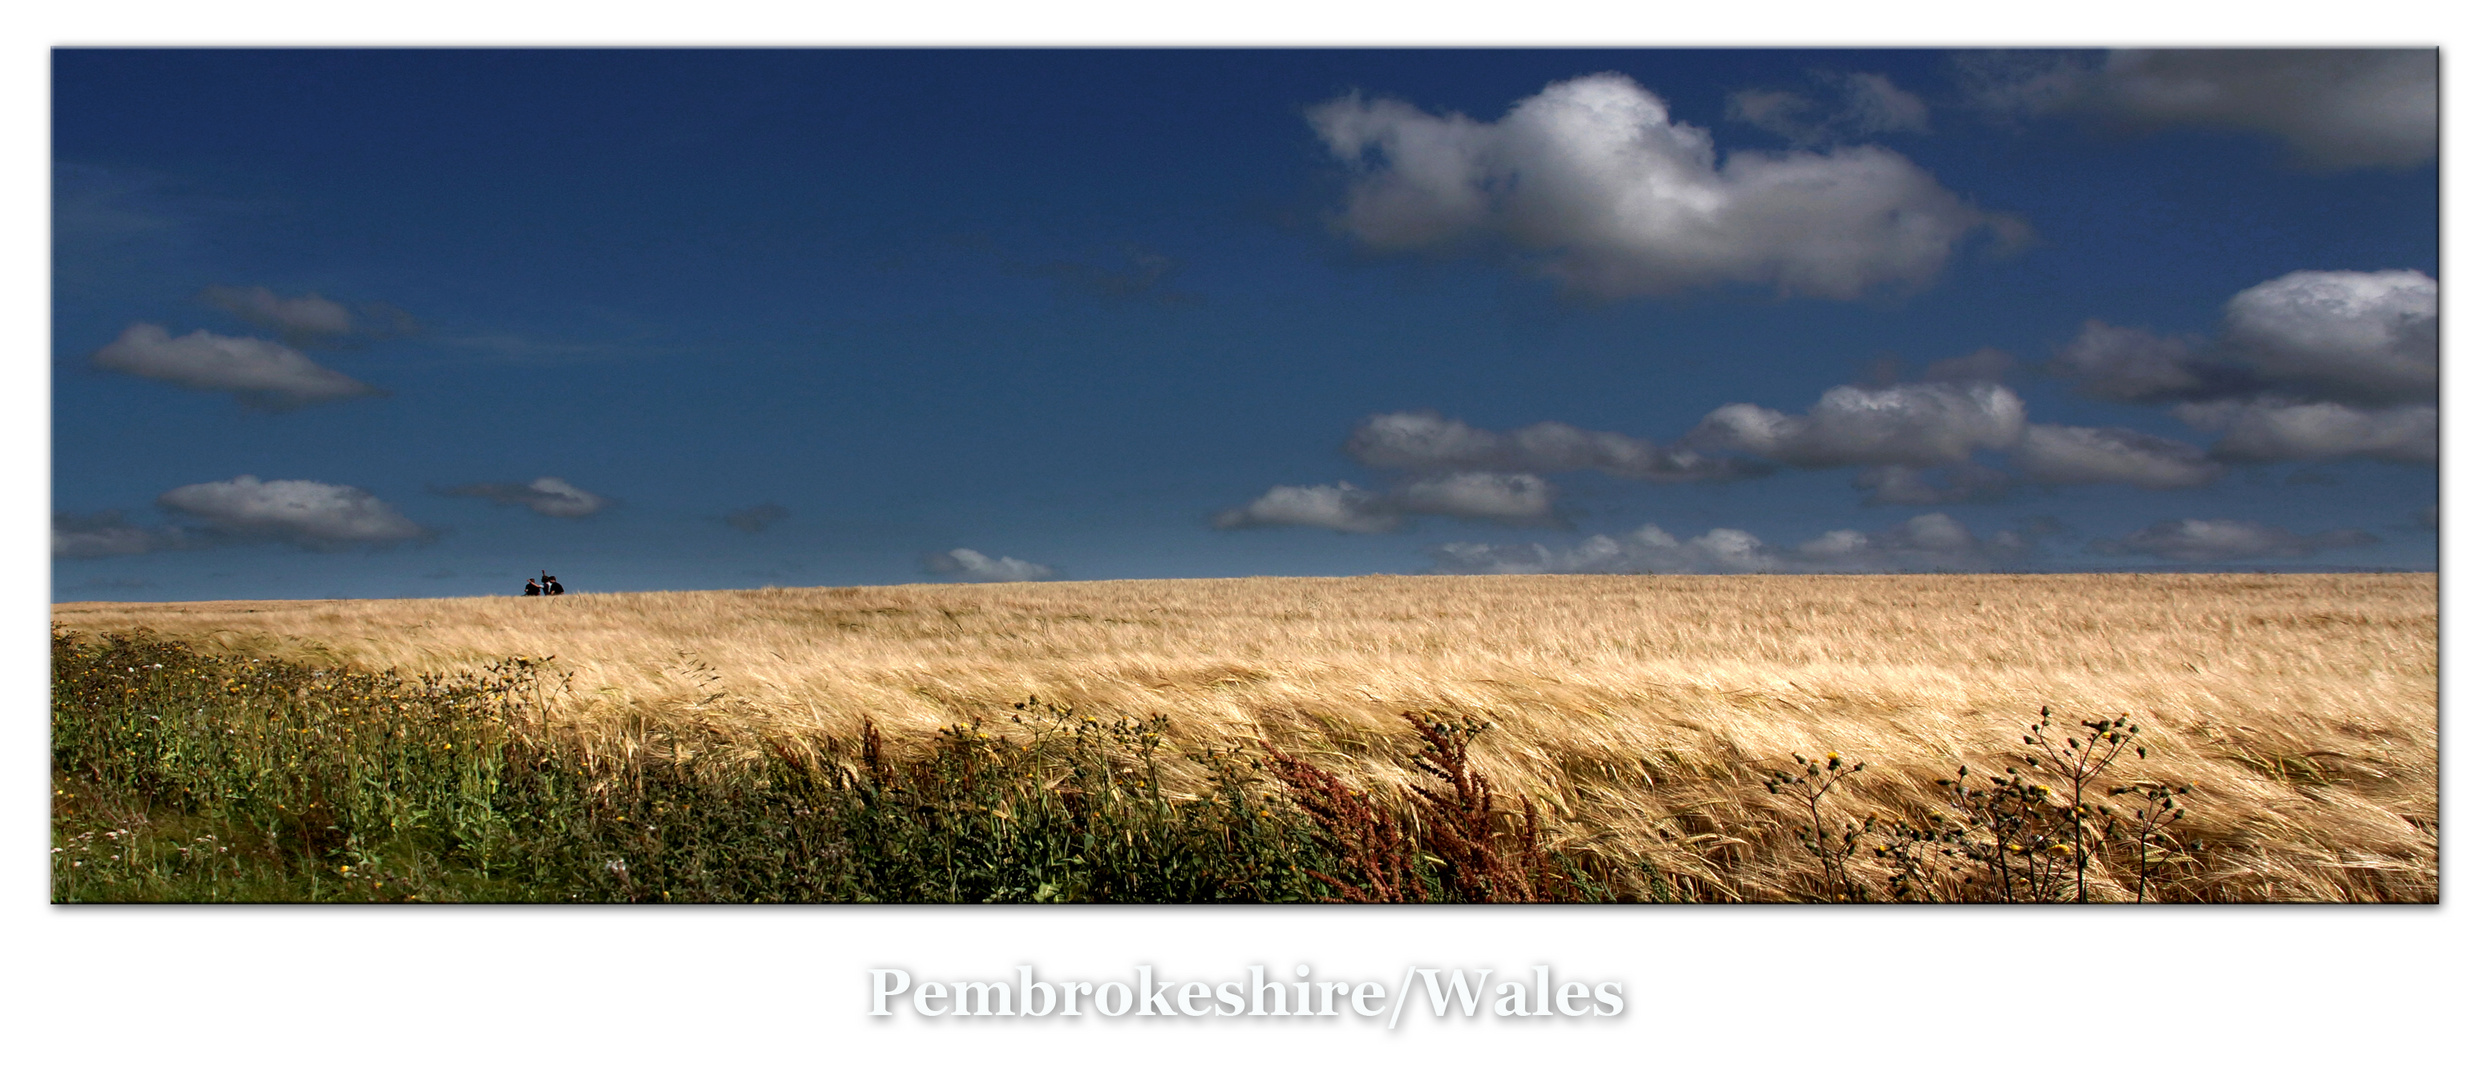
(564, 992)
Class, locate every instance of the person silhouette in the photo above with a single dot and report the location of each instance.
(552, 587)
(533, 590)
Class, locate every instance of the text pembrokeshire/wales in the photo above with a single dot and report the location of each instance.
(1442, 992)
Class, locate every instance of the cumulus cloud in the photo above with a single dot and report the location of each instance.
(1912, 424)
(2354, 337)
(1864, 104)
(2366, 338)
(2060, 454)
(2193, 540)
(1342, 507)
(260, 373)
(551, 496)
(105, 534)
(1913, 442)
(2335, 108)
(2313, 364)
(1425, 441)
(2266, 429)
(1928, 542)
(970, 565)
(1511, 498)
(753, 519)
(2119, 363)
(305, 513)
(1592, 178)
(1647, 550)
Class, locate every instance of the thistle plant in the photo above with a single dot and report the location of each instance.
(2150, 821)
(2077, 763)
(2008, 833)
(2015, 838)
(1833, 851)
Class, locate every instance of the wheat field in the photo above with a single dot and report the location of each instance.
(1641, 713)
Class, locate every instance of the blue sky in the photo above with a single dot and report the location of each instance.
(417, 323)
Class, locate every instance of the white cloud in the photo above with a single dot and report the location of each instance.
(2357, 337)
(551, 496)
(1591, 177)
(2266, 429)
(1866, 104)
(2341, 336)
(1913, 424)
(1515, 497)
(1343, 507)
(310, 319)
(96, 536)
(309, 316)
(1927, 542)
(2119, 363)
(1931, 534)
(1424, 441)
(2311, 365)
(260, 373)
(1792, 115)
(2059, 454)
(1512, 498)
(1873, 104)
(2335, 108)
(2193, 540)
(306, 513)
(969, 564)
(1647, 550)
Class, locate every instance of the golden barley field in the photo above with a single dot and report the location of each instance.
(1642, 713)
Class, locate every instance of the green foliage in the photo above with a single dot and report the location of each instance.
(307, 783)
(182, 776)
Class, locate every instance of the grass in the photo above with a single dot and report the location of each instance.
(185, 777)
(1635, 718)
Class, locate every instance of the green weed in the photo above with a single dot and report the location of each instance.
(182, 776)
